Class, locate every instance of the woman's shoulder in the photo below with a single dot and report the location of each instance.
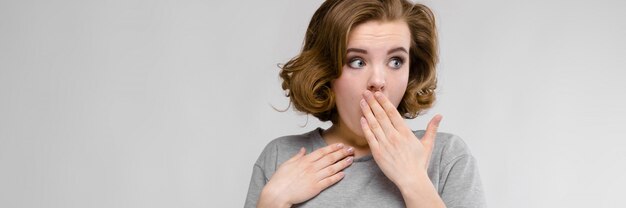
(295, 141)
(284, 147)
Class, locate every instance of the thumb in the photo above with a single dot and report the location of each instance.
(431, 131)
(429, 137)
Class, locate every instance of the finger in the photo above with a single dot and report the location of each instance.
(369, 135)
(379, 113)
(372, 123)
(329, 181)
(338, 166)
(391, 111)
(431, 133)
(332, 158)
(298, 155)
(317, 154)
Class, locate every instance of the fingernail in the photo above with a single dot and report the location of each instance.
(340, 145)
(350, 150)
(350, 159)
(378, 94)
(363, 103)
(366, 93)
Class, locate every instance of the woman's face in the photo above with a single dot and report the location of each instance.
(377, 59)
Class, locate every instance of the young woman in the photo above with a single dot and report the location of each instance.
(366, 65)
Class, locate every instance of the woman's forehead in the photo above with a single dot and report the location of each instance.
(373, 35)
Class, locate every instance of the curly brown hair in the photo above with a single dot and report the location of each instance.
(307, 77)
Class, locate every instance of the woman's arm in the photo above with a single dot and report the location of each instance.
(420, 193)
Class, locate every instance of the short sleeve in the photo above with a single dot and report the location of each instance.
(257, 182)
(461, 182)
(263, 167)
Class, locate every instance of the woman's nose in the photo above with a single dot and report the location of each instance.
(377, 79)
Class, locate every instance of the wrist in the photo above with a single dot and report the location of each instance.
(416, 179)
(419, 191)
(418, 183)
(271, 198)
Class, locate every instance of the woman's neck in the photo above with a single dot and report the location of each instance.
(338, 133)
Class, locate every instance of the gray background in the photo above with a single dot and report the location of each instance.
(131, 103)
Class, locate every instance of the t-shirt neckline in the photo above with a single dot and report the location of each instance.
(317, 135)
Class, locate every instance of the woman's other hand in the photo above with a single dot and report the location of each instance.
(304, 176)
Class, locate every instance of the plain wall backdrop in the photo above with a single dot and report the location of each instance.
(134, 103)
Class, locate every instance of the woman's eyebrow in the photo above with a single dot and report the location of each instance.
(357, 50)
(397, 49)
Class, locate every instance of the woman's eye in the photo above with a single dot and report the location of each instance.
(356, 63)
(396, 63)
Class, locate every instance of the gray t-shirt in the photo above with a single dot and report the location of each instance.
(453, 171)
